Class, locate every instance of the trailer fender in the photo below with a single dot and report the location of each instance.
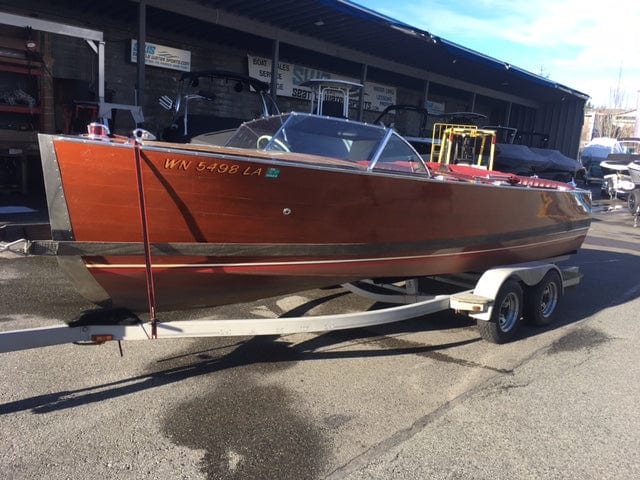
(491, 281)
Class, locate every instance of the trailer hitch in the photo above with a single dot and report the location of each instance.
(17, 247)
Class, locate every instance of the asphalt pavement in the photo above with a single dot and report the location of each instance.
(420, 399)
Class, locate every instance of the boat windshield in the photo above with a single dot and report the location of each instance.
(371, 146)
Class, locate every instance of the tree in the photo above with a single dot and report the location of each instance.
(604, 123)
(617, 95)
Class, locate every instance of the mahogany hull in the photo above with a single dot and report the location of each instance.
(280, 223)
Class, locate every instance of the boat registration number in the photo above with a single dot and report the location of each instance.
(212, 167)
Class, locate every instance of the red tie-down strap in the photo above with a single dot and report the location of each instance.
(151, 291)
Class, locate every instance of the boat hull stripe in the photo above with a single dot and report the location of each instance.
(89, 249)
(98, 265)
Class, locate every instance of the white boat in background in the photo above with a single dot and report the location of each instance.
(617, 180)
(634, 171)
(633, 199)
(595, 152)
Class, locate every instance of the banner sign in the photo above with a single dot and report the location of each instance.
(290, 76)
(162, 56)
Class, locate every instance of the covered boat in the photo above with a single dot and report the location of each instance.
(292, 201)
(528, 161)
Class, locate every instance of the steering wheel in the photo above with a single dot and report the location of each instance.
(265, 139)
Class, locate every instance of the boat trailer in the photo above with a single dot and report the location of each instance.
(498, 298)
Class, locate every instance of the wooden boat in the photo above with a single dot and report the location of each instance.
(293, 201)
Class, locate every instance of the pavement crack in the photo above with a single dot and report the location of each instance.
(401, 436)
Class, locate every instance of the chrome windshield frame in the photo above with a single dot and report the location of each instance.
(386, 134)
(379, 150)
(382, 145)
(280, 129)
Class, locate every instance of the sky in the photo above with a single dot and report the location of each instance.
(590, 47)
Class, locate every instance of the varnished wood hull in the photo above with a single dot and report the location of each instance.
(282, 223)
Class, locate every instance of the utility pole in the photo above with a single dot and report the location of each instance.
(636, 132)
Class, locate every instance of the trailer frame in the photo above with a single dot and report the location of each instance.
(476, 298)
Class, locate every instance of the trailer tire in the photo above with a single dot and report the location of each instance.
(505, 317)
(633, 201)
(542, 299)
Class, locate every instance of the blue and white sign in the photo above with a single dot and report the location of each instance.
(162, 56)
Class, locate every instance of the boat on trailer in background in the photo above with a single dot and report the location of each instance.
(193, 107)
(633, 167)
(291, 202)
(620, 177)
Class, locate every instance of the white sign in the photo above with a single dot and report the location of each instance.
(290, 76)
(162, 56)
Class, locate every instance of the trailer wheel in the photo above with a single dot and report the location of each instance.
(505, 317)
(542, 299)
(633, 201)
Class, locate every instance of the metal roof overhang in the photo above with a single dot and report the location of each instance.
(354, 33)
(48, 26)
(339, 29)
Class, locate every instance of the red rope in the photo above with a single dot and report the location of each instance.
(151, 291)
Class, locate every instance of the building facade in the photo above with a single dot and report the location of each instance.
(61, 61)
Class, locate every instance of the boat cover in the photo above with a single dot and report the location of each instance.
(523, 160)
(599, 148)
